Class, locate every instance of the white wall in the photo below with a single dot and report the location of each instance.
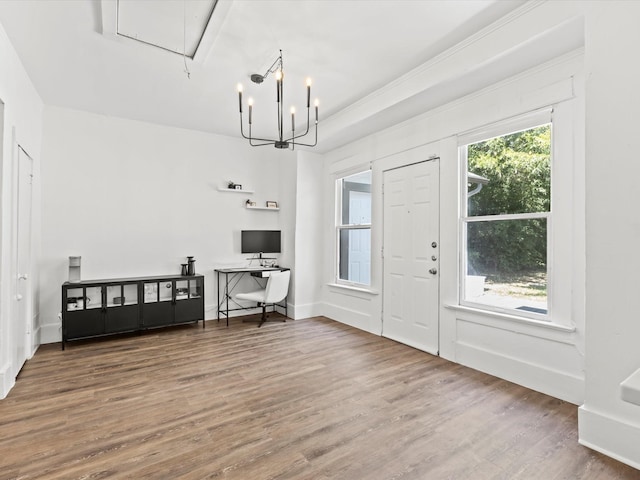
(308, 234)
(135, 199)
(596, 344)
(22, 125)
(548, 357)
(607, 423)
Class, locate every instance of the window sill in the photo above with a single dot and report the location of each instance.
(514, 318)
(353, 288)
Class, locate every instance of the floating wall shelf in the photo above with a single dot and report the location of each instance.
(263, 208)
(232, 190)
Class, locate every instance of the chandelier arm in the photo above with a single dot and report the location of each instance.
(271, 69)
(308, 144)
(269, 142)
(293, 137)
(250, 138)
(281, 109)
(242, 129)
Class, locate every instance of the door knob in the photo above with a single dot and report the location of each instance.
(18, 297)
(433, 271)
(23, 276)
(434, 244)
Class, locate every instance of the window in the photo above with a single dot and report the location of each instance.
(506, 219)
(353, 228)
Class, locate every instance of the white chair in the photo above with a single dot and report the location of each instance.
(275, 291)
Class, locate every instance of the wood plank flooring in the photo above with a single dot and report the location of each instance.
(308, 399)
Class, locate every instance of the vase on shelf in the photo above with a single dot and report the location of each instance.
(191, 266)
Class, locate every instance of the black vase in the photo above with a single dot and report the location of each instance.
(185, 270)
(191, 266)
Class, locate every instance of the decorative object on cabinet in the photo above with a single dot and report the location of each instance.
(234, 186)
(96, 308)
(272, 204)
(74, 269)
(191, 266)
(250, 203)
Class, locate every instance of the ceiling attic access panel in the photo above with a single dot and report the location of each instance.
(172, 25)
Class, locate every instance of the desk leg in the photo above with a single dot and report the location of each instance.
(218, 292)
(226, 295)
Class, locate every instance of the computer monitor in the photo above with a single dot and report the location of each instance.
(260, 241)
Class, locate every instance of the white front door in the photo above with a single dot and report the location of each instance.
(23, 321)
(411, 255)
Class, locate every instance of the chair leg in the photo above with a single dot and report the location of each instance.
(264, 315)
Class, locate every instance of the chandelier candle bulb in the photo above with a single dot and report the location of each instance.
(293, 122)
(240, 96)
(316, 103)
(308, 92)
(250, 103)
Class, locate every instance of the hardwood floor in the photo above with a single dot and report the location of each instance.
(307, 399)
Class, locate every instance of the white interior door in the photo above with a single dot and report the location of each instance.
(22, 321)
(411, 255)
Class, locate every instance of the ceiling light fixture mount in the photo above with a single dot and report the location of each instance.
(281, 142)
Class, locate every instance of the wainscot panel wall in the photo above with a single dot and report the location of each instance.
(547, 358)
(608, 423)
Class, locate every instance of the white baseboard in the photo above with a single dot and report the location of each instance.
(36, 341)
(304, 311)
(50, 333)
(6, 380)
(609, 436)
(551, 382)
(353, 318)
(630, 388)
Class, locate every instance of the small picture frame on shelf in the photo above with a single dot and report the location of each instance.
(272, 204)
(250, 203)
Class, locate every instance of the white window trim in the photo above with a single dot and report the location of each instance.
(339, 282)
(487, 132)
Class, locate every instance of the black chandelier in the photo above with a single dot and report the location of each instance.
(281, 141)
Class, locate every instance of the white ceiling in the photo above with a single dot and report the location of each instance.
(350, 48)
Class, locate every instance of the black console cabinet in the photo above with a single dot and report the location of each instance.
(94, 308)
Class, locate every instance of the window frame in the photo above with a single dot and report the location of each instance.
(514, 125)
(340, 226)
